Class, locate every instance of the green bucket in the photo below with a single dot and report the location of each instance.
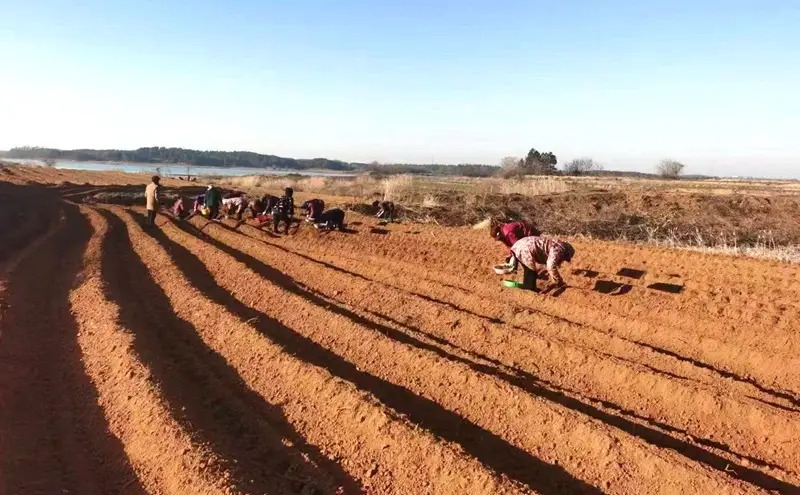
(512, 284)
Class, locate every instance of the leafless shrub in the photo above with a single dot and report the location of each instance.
(581, 166)
(670, 169)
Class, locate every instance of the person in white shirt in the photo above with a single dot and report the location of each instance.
(151, 198)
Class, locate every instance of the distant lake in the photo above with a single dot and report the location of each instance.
(169, 170)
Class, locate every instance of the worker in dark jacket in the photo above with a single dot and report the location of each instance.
(284, 210)
(330, 220)
(262, 206)
(213, 199)
(386, 210)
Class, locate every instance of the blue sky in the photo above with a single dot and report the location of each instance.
(715, 84)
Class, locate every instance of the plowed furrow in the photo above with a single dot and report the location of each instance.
(53, 436)
(713, 420)
(768, 371)
(581, 329)
(702, 319)
(769, 293)
(717, 274)
(163, 453)
(450, 384)
(218, 407)
(22, 226)
(365, 438)
(577, 329)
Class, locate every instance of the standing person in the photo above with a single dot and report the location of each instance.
(213, 199)
(284, 210)
(330, 220)
(313, 209)
(509, 233)
(386, 210)
(151, 198)
(543, 250)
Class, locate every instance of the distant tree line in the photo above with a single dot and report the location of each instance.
(181, 156)
(243, 159)
(463, 170)
(534, 163)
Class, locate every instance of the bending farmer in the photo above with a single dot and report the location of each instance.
(543, 250)
(313, 209)
(330, 220)
(386, 210)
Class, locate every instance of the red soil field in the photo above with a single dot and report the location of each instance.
(204, 357)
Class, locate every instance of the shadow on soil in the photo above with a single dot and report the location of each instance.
(534, 385)
(669, 288)
(612, 288)
(778, 394)
(515, 377)
(631, 273)
(245, 431)
(55, 437)
(487, 447)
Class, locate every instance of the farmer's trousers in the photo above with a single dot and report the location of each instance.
(151, 218)
(276, 220)
(528, 278)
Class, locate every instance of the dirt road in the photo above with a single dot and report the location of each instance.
(202, 357)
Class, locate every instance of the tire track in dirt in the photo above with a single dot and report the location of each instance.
(652, 430)
(218, 407)
(410, 461)
(702, 426)
(622, 444)
(769, 371)
(53, 436)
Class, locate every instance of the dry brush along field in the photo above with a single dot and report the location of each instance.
(202, 357)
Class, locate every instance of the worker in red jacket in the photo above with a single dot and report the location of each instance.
(313, 209)
(509, 233)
